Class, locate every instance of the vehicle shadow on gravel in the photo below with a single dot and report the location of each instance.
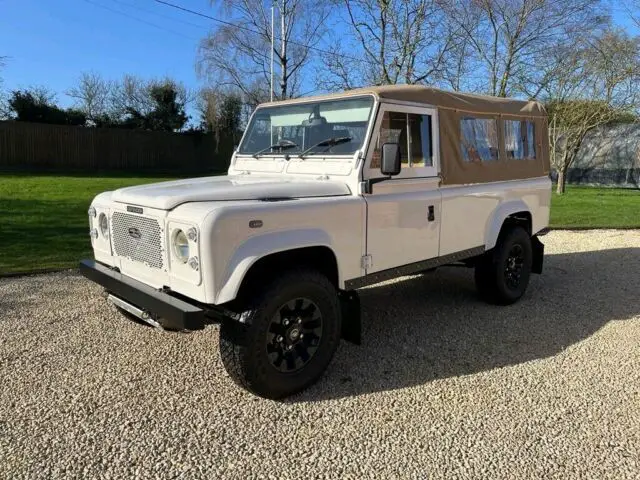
(433, 326)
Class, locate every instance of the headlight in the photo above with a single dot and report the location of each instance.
(181, 246)
(103, 221)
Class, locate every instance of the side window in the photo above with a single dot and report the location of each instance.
(412, 132)
(519, 139)
(479, 139)
(393, 129)
(421, 143)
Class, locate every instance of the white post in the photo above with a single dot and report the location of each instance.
(272, 44)
(283, 34)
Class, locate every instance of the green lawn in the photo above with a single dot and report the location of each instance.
(43, 218)
(591, 207)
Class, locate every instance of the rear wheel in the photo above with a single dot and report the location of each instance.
(287, 335)
(502, 275)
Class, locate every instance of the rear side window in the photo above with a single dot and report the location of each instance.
(519, 139)
(479, 139)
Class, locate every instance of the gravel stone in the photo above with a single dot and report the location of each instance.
(444, 386)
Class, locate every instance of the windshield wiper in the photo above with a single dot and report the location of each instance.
(327, 142)
(282, 145)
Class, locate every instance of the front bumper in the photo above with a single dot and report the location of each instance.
(170, 312)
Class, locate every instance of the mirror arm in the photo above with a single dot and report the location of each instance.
(368, 185)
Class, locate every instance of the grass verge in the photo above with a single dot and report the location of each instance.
(592, 207)
(43, 218)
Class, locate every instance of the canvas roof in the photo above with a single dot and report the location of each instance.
(452, 108)
(442, 99)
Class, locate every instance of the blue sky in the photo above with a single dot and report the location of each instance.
(50, 42)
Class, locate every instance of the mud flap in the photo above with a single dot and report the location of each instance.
(351, 321)
(538, 254)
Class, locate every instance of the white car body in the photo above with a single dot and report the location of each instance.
(333, 212)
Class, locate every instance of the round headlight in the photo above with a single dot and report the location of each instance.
(181, 246)
(104, 225)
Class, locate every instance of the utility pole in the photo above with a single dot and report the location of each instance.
(283, 58)
(273, 7)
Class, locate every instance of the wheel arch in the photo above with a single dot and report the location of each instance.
(514, 212)
(261, 256)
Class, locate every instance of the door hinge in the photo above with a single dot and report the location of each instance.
(367, 262)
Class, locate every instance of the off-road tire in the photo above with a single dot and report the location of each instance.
(243, 343)
(492, 275)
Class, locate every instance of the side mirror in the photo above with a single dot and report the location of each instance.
(390, 164)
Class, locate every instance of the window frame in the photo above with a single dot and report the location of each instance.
(406, 171)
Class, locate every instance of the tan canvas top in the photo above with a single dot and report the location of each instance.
(452, 108)
(466, 102)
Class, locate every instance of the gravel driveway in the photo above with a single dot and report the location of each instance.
(443, 387)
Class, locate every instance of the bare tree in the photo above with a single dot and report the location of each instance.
(396, 41)
(600, 86)
(208, 104)
(613, 62)
(133, 93)
(220, 114)
(4, 107)
(632, 7)
(458, 67)
(510, 39)
(42, 94)
(3, 62)
(238, 55)
(92, 94)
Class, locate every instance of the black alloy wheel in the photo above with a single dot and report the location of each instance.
(294, 335)
(514, 266)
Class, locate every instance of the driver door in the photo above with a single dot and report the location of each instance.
(403, 212)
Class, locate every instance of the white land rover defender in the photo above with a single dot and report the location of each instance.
(323, 196)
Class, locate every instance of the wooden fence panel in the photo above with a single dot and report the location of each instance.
(63, 147)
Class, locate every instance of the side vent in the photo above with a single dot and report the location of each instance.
(276, 199)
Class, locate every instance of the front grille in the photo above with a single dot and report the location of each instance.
(137, 238)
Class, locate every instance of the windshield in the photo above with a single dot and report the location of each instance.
(335, 127)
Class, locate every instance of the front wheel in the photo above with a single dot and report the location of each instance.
(502, 275)
(287, 335)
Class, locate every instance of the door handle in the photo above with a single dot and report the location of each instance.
(431, 216)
